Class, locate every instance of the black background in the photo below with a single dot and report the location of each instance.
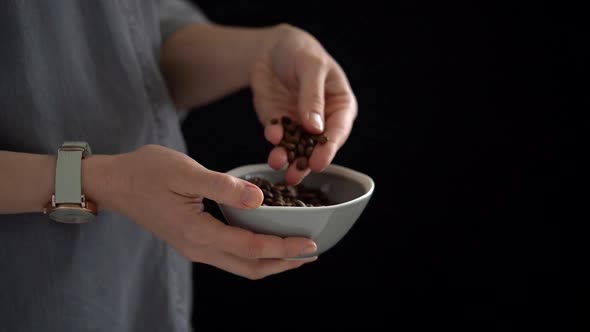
(462, 124)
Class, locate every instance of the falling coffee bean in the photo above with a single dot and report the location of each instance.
(298, 142)
(283, 194)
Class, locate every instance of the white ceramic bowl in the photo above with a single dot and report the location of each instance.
(349, 190)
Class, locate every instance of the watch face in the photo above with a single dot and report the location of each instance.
(71, 215)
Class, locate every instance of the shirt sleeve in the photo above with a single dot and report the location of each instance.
(174, 14)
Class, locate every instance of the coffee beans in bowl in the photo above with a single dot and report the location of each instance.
(330, 202)
(298, 142)
(283, 194)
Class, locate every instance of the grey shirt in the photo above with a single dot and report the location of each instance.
(88, 70)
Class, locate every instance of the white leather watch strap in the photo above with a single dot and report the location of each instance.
(68, 172)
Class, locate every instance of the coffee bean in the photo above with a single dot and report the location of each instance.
(283, 194)
(301, 164)
(321, 139)
(290, 156)
(300, 149)
(298, 142)
(288, 146)
(298, 202)
(291, 137)
(285, 120)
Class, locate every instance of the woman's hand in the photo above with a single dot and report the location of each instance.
(288, 70)
(296, 77)
(162, 190)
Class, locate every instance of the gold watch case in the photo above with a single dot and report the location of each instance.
(71, 213)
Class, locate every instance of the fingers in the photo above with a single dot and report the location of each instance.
(246, 244)
(327, 105)
(338, 128)
(252, 268)
(277, 158)
(226, 189)
(311, 71)
(294, 175)
(247, 254)
(273, 133)
(340, 113)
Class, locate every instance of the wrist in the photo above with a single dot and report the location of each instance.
(98, 184)
(270, 53)
(261, 45)
(195, 61)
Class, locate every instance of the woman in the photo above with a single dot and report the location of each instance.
(115, 75)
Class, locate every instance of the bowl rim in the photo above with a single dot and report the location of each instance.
(358, 176)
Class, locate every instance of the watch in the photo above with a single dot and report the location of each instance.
(68, 204)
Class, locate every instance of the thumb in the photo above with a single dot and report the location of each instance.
(312, 77)
(226, 189)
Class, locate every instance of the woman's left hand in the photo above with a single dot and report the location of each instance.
(294, 76)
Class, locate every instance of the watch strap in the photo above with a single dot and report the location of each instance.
(68, 172)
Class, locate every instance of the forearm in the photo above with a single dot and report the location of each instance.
(203, 62)
(28, 181)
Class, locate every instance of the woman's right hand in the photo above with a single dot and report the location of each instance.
(162, 190)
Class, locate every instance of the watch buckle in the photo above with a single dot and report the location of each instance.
(83, 203)
(85, 152)
(49, 205)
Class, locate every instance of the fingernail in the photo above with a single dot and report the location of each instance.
(251, 197)
(316, 121)
(309, 249)
(308, 259)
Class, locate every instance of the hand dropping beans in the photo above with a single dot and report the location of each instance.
(298, 142)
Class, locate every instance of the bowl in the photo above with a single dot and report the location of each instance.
(348, 192)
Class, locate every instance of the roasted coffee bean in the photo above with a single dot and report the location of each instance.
(282, 194)
(298, 202)
(288, 146)
(291, 138)
(300, 149)
(301, 164)
(285, 120)
(321, 139)
(290, 156)
(298, 142)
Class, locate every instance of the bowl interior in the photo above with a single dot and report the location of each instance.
(338, 183)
